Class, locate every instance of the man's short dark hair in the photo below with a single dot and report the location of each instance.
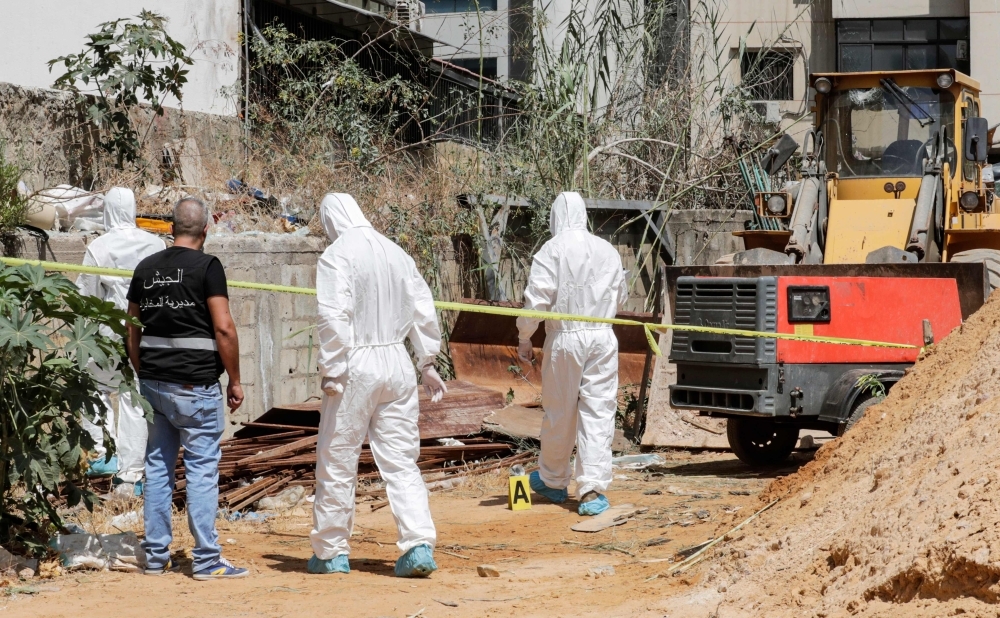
(190, 217)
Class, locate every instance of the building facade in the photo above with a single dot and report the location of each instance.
(785, 40)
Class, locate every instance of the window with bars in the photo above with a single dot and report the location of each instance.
(902, 44)
(768, 75)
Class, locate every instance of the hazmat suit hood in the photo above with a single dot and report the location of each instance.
(338, 212)
(119, 209)
(568, 212)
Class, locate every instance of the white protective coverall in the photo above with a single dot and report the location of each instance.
(371, 298)
(121, 246)
(576, 272)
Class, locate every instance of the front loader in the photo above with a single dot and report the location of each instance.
(891, 172)
(890, 233)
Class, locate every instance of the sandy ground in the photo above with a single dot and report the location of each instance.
(544, 565)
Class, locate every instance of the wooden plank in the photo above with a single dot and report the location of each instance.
(274, 453)
(301, 430)
(517, 421)
(614, 516)
(459, 413)
(239, 494)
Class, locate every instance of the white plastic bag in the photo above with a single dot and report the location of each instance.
(80, 551)
(75, 208)
(287, 499)
(123, 551)
(119, 552)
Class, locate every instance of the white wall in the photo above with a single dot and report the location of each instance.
(37, 31)
(848, 9)
(984, 26)
(462, 33)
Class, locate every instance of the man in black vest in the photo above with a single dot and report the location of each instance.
(186, 341)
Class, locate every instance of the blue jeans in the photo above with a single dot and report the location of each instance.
(192, 417)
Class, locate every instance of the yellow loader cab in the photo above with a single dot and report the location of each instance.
(892, 172)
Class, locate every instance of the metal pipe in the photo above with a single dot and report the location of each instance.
(922, 215)
(802, 218)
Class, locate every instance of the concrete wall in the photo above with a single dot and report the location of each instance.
(277, 365)
(277, 344)
(703, 236)
(45, 133)
(38, 31)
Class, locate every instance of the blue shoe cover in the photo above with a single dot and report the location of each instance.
(595, 507)
(337, 564)
(418, 562)
(99, 467)
(552, 495)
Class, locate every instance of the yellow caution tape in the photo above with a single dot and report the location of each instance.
(649, 328)
(120, 272)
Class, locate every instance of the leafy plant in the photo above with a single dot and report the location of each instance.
(49, 336)
(13, 205)
(871, 384)
(314, 87)
(128, 62)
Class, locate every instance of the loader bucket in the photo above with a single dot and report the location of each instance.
(972, 278)
(484, 352)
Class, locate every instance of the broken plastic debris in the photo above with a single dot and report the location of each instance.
(637, 462)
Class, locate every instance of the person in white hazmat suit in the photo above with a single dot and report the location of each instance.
(578, 273)
(121, 246)
(371, 298)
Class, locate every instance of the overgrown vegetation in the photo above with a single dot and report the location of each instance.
(313, 94)
(48, 339)
(13, 205)
(125, 63)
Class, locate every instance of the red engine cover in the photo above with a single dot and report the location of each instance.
(890, 309)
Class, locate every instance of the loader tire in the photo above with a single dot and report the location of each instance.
(760, 442)
(858, 410)
(990, 257)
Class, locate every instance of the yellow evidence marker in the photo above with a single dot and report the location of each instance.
(519, 496)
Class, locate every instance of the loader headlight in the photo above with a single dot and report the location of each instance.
(969, 201)
(776, 204)
(823, 85)
(945, 80)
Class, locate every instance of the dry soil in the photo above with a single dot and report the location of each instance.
(544, 566)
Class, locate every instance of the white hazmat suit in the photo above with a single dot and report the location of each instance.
(578, 273)
(371, 298)
(121, 246)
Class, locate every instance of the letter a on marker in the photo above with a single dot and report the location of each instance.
(519, 497)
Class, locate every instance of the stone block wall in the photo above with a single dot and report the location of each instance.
(277, 338)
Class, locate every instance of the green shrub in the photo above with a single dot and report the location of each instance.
(48, 337)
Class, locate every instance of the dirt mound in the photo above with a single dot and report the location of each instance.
(901, 517)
